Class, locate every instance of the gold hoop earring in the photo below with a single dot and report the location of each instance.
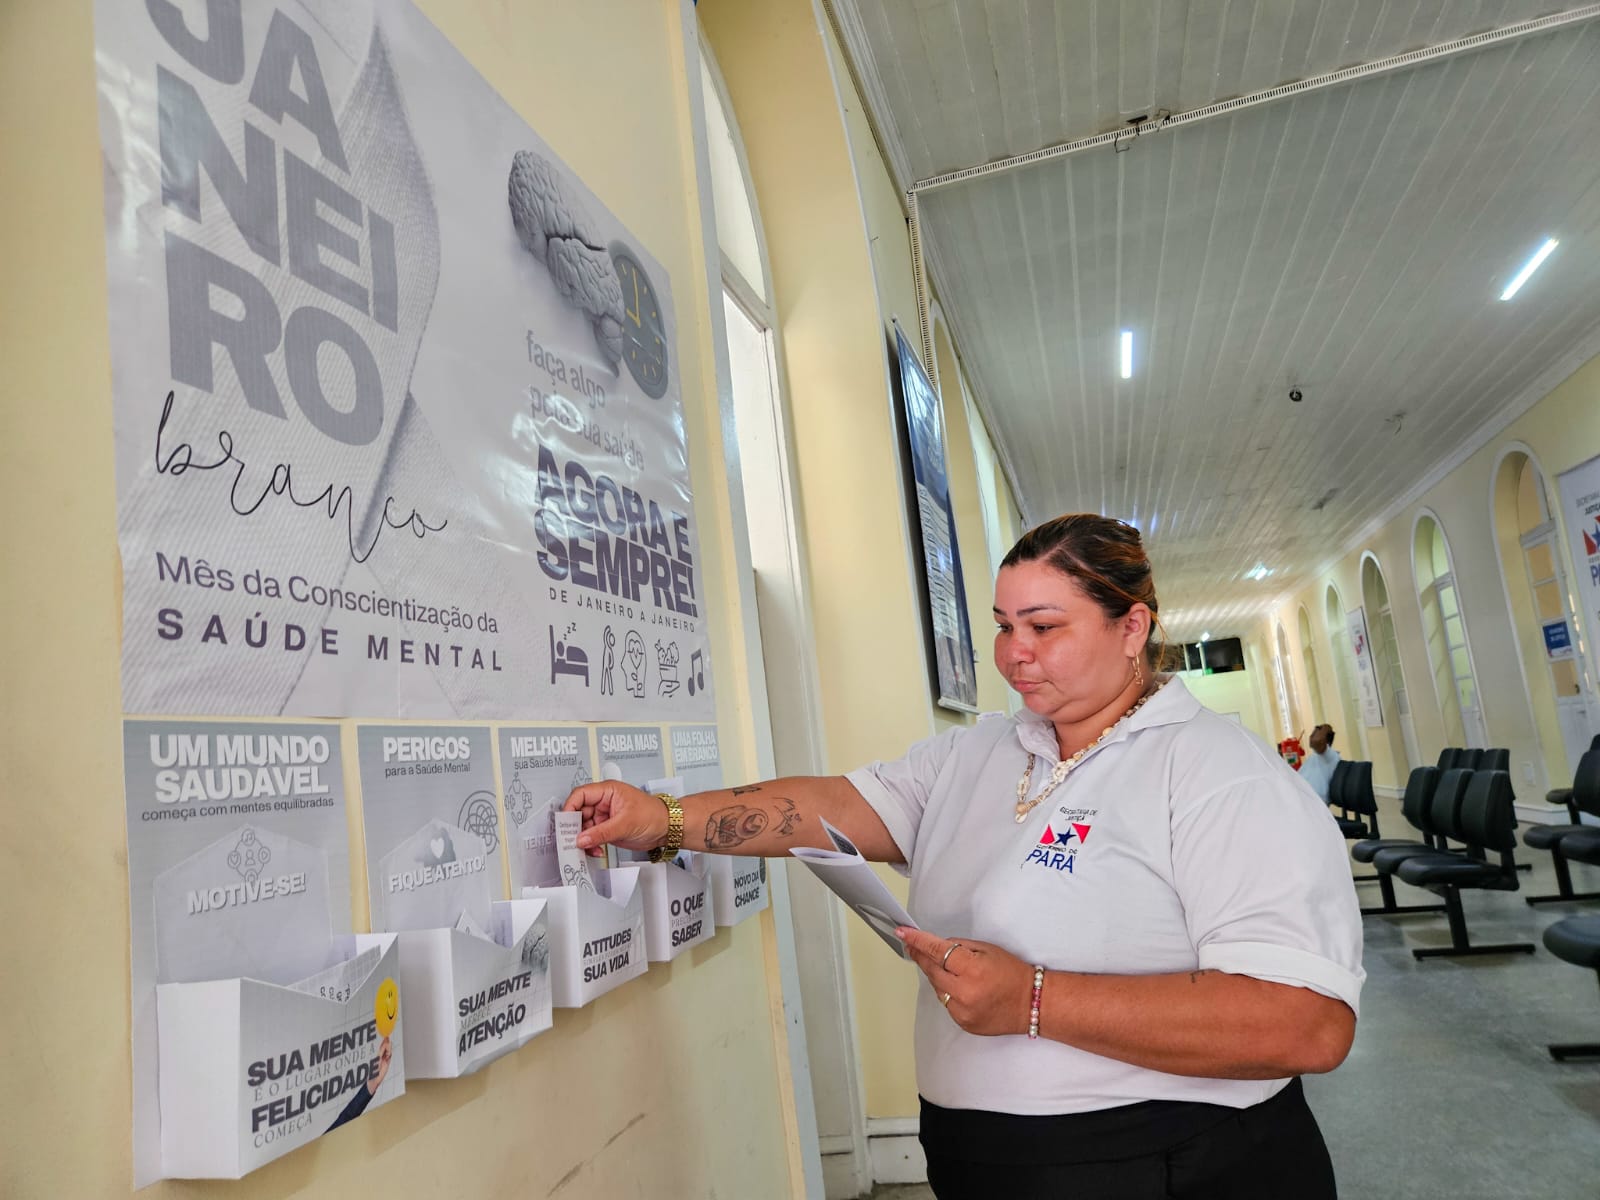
(1138, 672)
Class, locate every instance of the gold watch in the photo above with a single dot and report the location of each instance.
(674, 842)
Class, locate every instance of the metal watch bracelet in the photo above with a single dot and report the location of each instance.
(674, 842)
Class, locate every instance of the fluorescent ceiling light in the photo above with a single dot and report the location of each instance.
(1259, 571)
(1205, 637)
(1127, 354)
(1528, 268)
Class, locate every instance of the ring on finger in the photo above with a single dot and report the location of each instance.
(945, 999)
(954, 946)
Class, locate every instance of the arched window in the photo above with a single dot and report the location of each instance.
(1444, 629)
(1355, 739)
(1386, 664)
(1542, 611)
(1313, 680)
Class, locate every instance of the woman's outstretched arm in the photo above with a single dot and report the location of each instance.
(762, 819)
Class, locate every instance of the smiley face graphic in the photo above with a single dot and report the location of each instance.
(386, 1007)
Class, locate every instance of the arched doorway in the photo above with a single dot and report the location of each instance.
(1444, 629)
(1313, 679)
(1397, 722)
(1355, 740)
(1560, 692)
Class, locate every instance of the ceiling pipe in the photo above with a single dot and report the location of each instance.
(1119, 139)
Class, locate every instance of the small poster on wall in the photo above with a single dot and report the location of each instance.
(431, 825)
(538, 769)
(243, 969)
(1580, 510)
(949, 627)
(741, 880)
(1366, 669)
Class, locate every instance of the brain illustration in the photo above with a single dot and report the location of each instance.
(478, 816)
(554, 228)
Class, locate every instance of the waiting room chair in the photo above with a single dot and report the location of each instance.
(1414, 806)
(1484, 823)
(1575, 842)
(1564, 795)
(1575, 940)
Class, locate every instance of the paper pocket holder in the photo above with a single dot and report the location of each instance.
(209, 1033)
(596, 941)
(440, 968)
(739, 886)
(677, 909)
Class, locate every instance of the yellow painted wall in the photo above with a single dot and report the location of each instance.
(1232, 692)
(676, 1084)
(1562, 430)
(841, 269)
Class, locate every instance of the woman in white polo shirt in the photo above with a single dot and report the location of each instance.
(1138, 926)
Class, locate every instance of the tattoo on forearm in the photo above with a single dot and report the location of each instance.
(1194, 976)
(789, 815)
(747, 789)
(734, 825)
(739, 823)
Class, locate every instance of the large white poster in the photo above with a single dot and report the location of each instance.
(396, 399)
(1580, 506)
(1366, 670)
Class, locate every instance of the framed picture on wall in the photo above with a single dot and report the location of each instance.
(943, 591)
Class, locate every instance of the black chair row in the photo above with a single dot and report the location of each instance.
(1474, 808)
(1494, 758)
(1416, 807)
(1350, 791)
(1576, 842)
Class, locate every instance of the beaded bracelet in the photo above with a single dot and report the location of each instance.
(1033, 1011)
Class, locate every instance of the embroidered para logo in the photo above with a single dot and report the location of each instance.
(1059, 851)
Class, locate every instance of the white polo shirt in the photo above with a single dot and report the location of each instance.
(1181, 843)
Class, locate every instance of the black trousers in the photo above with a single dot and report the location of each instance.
(1155, 1150)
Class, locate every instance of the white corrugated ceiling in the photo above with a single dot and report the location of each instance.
(1351, 242)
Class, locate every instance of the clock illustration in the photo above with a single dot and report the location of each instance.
(644, 330)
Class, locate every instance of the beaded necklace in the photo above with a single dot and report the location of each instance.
(1062, 769)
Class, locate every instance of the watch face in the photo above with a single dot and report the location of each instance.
(644, 335)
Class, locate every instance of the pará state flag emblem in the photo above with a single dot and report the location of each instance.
(1074, 832)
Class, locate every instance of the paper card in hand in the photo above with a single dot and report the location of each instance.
(850, 877)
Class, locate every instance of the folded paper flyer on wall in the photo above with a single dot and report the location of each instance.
(739, 881)
(472, 994)
(238, 881)
(851, 878)
(250, 1070)
(597, 938)
(677, 897)
(474, 966)
(677, 909)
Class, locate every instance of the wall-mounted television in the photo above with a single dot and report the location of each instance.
(1212, 656)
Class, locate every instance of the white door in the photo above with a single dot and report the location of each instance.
(1576, 710)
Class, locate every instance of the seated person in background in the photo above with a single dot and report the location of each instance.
(1317, 769)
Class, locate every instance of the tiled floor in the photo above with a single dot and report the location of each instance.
(1448, 1093)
